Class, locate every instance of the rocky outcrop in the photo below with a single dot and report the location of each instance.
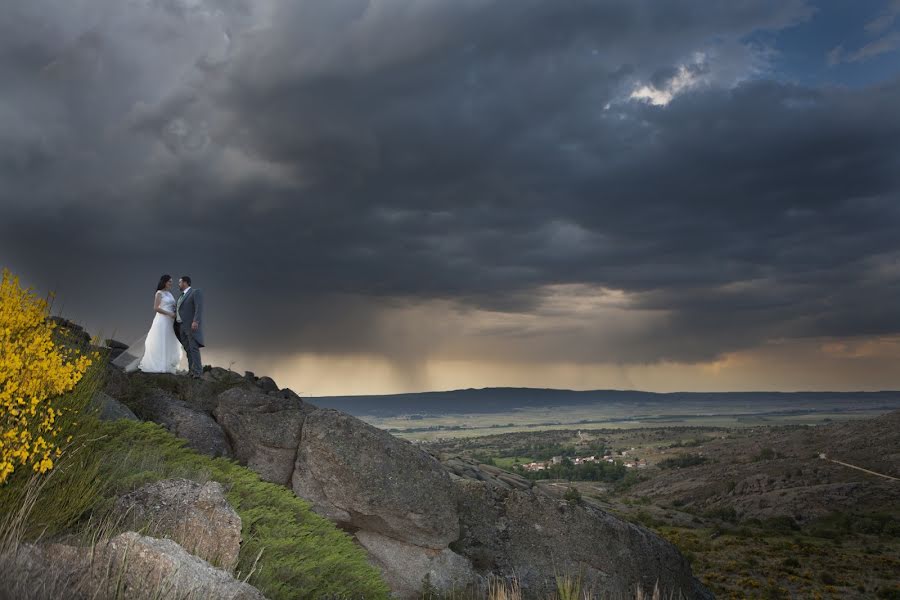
(197, 517)
(199, 429)
(138, 567)
(264, 430)
(534, 537)
(397, 500)
(364, 478)
(465, 468)
(420, 520)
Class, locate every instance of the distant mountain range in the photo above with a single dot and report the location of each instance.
(495, 400)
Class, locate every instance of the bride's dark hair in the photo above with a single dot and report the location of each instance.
(162, 282)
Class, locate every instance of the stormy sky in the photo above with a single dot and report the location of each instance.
(400, 195)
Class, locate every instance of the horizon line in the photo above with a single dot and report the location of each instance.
(473, 389)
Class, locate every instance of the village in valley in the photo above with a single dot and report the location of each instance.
(610, 457)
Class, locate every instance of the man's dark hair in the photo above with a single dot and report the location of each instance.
(162, 282)
(186, 279)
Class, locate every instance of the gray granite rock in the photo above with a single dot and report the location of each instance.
(110, 409)
(407, 568)
(201, 432)
(136, 567)
(267, 384)
(196, 516)
(365, 478)
(264, 430)
(534, 537)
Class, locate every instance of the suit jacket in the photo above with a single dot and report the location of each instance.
(191, 310)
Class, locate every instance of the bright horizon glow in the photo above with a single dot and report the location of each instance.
(825, 366)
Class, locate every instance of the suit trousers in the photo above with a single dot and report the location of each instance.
(191, 348)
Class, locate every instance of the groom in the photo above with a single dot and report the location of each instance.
(188, 312)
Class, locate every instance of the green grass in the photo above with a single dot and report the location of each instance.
(507, 462)
(288, 550)
(303, 554)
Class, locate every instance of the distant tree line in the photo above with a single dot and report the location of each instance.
(566, 469)
(681, 461)
(543, 452)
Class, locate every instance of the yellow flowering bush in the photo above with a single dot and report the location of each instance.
(33, 372)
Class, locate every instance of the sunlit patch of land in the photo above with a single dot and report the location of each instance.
(605, 416)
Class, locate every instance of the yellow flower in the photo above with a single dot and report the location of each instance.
(34, 372)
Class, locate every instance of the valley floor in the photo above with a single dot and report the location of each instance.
(761, 512)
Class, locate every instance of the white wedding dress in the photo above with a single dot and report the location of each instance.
(162, 350)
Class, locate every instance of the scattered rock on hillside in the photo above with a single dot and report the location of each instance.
(198, 517)
(365, 478)
(290, 394)
(110, 409)
(267, 384)
(220, 374)
(115, 344)
(197, 427)
(461, 467)
(138, 567)
(264, 430)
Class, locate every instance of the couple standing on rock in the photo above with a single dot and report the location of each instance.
(177, 325)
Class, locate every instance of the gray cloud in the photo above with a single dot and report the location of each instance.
(882, 45)
(317, 167)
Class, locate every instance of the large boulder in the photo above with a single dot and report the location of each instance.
(365, 478)
(138, 567)
(264, 430)
(183, 420)
(408, 569)
(534, 537)
(197, 517)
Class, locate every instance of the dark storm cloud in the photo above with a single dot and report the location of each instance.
(316, 164)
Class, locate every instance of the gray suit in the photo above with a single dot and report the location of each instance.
(189, 309)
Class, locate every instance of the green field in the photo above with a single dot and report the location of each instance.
(429, 428)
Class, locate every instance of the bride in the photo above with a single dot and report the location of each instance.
(162, 350)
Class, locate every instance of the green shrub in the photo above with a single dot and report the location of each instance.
(74, 485)
(723, 513)
(781, 524)
(288, 550)
(767, 454)
(682, 461)
(646, 519)
(838, 525)
(302, 555)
